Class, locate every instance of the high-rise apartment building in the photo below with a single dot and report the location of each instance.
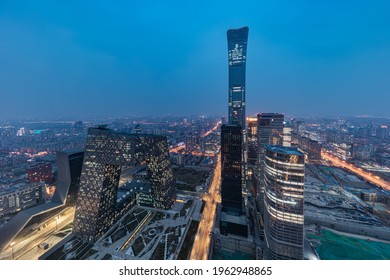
(284, 199)
(106, 153)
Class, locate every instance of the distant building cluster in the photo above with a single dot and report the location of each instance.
(40, 172)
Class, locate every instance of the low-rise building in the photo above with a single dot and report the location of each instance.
(20, 196)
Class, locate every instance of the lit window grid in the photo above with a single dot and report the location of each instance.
(283, 219)
(106, 152)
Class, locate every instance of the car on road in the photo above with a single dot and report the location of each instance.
(44, 246)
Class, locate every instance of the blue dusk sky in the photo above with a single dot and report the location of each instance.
(79, 59)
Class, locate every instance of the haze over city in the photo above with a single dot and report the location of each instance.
(100, 59)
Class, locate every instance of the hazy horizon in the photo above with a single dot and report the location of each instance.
(163, 117)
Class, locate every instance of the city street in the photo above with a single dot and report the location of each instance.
(22, 249)
(202, 239)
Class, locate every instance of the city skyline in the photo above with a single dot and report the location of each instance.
(84, 177)
(126, 229)
(316, 58)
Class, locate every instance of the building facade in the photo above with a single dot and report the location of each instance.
(21, 196)
(269, 132)
(284, 200)
(106, 153)
(231, 171)
(237, 43)
(252, 139)
(270, 128)
(311, 147)
(69, 164)
(287, 136)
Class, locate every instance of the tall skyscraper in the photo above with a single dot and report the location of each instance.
(233, 139)
(106, 153)
(231, 171)
(269, 132)
(237, 41)
(283, 216)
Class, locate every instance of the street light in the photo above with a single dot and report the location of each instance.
(12, 248)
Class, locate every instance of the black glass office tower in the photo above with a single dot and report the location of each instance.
(106, 153)
(237, 42)
(231, 171)
(284, 179)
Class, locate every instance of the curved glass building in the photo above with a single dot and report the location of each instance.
(284, 179)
